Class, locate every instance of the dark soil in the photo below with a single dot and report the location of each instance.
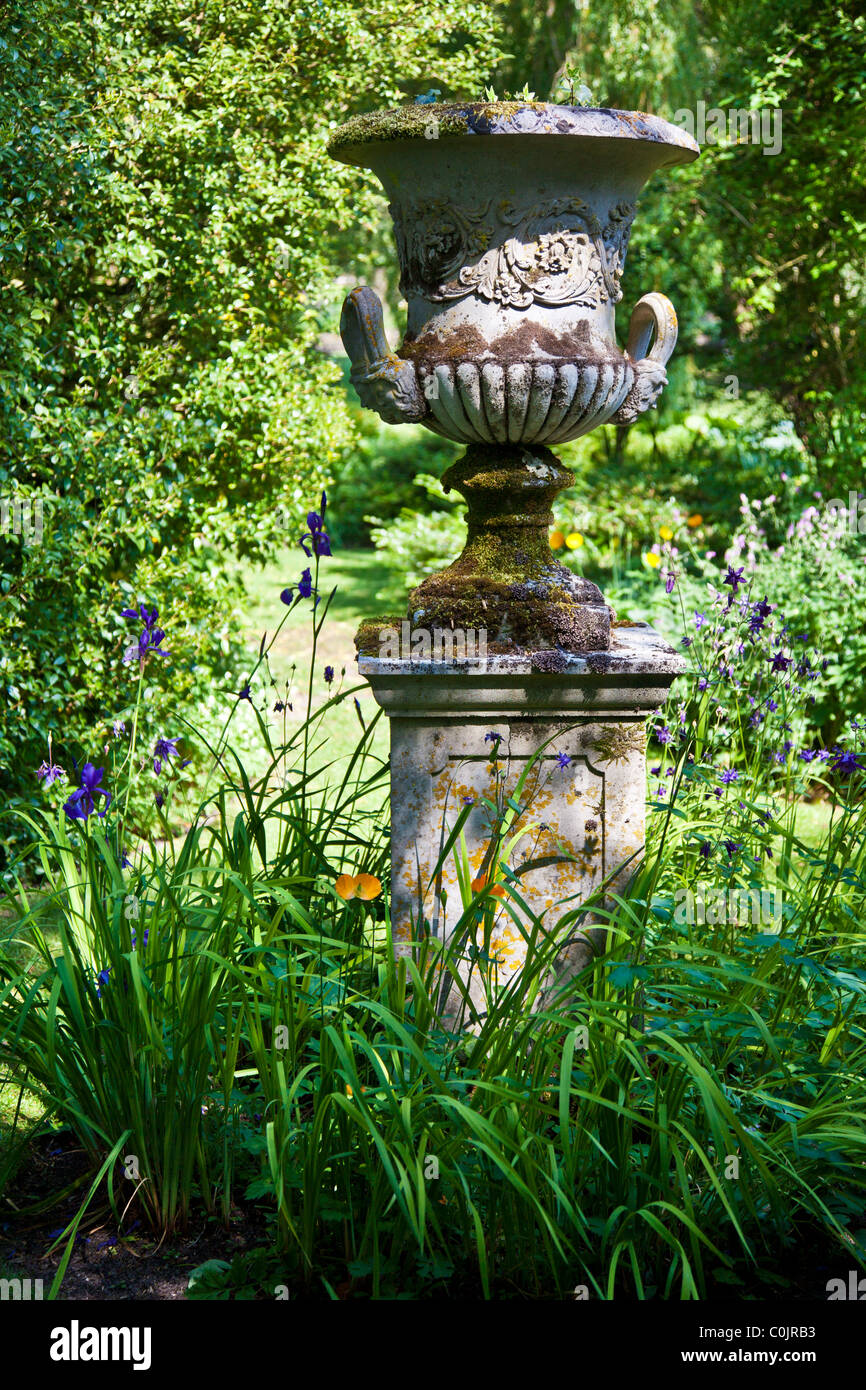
(107, 1263)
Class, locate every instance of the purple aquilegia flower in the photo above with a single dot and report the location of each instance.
(563, 759)
(760, 612)
(705, 850)
(164, 749)
(317, 535)
(50, 771)
(663, 734)
(733, 847)
(81, 803)
(780, 662)
(492, 738)
(809, 754)
(703, 683)
(670, 581)
(846, 761)
(118, 728)
(329, 675)
(729, 774)
(734, 578)
(102, 979)
(699, 620)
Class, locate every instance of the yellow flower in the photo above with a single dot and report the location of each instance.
(695, 520)
(666, 533)
(574, 540)
(557, 540)
(652, 560)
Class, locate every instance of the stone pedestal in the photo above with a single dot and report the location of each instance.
(583, 803)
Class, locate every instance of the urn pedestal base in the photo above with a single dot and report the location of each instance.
(507, 582)
(584, 796)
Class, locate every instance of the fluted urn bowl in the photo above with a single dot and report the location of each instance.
(512, 222)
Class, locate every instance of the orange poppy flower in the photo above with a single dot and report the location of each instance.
(479, 884)
(365, 886)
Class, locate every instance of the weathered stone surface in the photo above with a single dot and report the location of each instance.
(590, 707)
(507, 580)
(511, 245)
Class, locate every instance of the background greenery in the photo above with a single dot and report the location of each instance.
(174, 247)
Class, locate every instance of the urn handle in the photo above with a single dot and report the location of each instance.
(384, 382)
(653, 319)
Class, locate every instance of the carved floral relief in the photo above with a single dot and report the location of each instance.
(554, 253)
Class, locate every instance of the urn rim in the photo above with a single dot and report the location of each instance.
(350, 142)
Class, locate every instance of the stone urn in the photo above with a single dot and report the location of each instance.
(512, 221)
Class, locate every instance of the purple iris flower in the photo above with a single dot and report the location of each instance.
(164, 749)
(81, 803)
(150, 638)
(102, 977)
(317, 535)
(305, 584)
(147, 615)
